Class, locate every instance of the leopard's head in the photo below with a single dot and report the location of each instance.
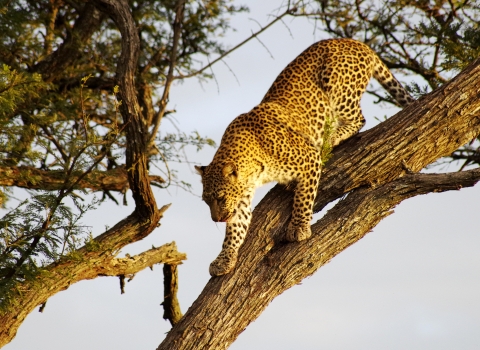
(223, 188)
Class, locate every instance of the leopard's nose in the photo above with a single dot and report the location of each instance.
(223, 219)
(217, 214)
(219, 217)
(215, 211)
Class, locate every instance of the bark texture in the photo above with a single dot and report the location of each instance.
(89, 20)
(377, 169)
(33, 178)
(98, 257)
(171, 306)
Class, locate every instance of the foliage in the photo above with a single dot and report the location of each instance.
(427, 41)
(38, 232)
(59, 108)
(431, 40)
(43, 121)
(16, 88)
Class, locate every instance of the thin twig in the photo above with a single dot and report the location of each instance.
(177, 30)
(55, 142)
(289, 11)
(231, 71)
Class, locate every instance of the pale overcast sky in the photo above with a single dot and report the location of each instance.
(412, 283)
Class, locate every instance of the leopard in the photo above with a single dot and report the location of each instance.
(281, 139)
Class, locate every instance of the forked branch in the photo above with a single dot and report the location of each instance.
(375, 169)
(130, 265)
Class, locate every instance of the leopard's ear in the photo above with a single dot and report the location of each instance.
(200, 169)
(230, 169)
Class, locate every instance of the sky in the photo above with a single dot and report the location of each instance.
(412, 283)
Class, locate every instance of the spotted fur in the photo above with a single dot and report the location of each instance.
(281, 139)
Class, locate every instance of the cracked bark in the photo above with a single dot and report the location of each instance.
(373, 167)
(51, 180)
(171, 306)
(376, 168)
(98, 257)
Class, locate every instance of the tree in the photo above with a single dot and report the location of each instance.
(79, 112)
(62, 133)
(263, 248)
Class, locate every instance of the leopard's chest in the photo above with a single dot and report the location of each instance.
(274, 173)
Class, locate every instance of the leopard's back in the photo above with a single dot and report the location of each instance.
(327, 80)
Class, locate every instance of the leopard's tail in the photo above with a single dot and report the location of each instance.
(383, 75)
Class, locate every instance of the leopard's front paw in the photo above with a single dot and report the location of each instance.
(297, 233)
(223, 264)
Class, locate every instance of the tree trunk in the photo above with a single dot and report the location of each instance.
(97, 258)
(377, 169)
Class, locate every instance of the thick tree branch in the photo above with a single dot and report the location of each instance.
(100, 252)
(166, 254)
(171, 306)
(136, 127)
(86, 24)
(433, 127)
(274, 266)
(374, 167)
(96, 258)
(51, 180)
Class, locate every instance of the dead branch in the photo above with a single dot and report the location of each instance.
(171, 306)
(166, 254)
